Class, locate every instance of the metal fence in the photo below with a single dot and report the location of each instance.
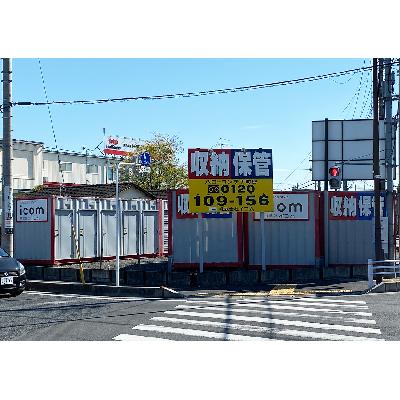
(383, 269)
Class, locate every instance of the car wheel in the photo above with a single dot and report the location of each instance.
(15, 293)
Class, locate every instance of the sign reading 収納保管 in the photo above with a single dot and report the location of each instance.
(230, 180)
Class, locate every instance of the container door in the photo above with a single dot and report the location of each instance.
(130, 234)
(87, 233)
(64, 243)
(108, 240)
(150, 232)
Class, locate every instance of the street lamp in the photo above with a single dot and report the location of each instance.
(117, 216)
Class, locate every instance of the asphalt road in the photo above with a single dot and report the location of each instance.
(46, 316)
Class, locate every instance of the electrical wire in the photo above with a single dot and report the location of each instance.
(358, 94)
(305, 158)
(51, 122)
(367, 97)
(201, 93)
(355, 93)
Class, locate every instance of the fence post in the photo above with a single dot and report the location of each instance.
(370, 274)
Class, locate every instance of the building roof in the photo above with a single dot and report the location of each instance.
(73, 190)
(160, 194)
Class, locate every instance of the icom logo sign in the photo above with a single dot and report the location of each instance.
(32, 210)
(291, 206)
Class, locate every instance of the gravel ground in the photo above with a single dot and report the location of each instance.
(159, 263)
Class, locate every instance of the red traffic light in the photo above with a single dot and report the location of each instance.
(334, 171)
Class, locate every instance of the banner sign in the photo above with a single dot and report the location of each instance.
(34, 210)
(182, 207)
(354, 205)
(225, 180)
(8, 209)
(290, 206)
(117, 146)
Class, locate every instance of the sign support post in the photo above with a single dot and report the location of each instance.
(201, 243)
(262, 220)
(118, 222)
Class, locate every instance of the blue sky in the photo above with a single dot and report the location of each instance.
(278, 118)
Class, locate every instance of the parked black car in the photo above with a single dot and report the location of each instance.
(12, 275)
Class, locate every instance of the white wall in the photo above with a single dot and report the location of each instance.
(31, 164)
(26, 164)
(78, 173)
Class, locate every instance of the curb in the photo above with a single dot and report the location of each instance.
(105, 290)
(385, 287)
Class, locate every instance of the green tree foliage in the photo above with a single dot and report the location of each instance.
(165, 170)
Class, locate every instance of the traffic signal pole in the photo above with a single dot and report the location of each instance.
(326, 199)
(7, 231)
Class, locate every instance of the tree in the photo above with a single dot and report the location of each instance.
(165, 170)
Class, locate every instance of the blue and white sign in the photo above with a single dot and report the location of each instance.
(145, 158)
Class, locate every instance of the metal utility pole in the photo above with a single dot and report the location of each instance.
(7, 190)
(377, 199)
(389, 153)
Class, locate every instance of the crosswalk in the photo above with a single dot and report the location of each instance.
(274, 318)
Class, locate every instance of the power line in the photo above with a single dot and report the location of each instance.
(51, 122)
(305, 158)
(201, 93)
(358, 94)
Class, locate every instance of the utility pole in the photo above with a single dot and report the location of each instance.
(7, 190)
(387, 92)
(398, 159)
(377, 177)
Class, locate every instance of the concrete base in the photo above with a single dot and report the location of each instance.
(102, 290)
(386, 287)
(242, 277)
(122, 279)
(305, 275)
(360, 271)
(69, 274)
(51, 274)
(337, 272)
(34, 272)
(274, 276)
(135, 278)
(211, 279)
(155, 278)
(179, 279)
(100, 276)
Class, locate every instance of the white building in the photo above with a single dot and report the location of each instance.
(33, 165)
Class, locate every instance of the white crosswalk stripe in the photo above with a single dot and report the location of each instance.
(306, 318)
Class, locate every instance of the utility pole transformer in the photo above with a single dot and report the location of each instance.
(7, 190)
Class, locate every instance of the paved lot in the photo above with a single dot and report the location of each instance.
(47, 316)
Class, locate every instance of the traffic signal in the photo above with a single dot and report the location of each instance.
(335, 177)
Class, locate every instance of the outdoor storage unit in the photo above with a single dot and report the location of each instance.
(289, 240)
(294, 234)
(63, 230)
(218, 237)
